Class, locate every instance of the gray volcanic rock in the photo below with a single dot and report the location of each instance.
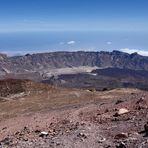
(42, 61)
(103, 79)
(3, 56)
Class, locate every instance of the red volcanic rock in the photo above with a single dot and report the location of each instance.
(14, 86)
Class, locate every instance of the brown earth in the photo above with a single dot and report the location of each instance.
(49, 117)
(14, 86)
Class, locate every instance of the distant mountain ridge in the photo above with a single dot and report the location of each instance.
(42, 61)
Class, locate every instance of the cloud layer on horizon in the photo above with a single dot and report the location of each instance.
(18, 53)
(130, 51)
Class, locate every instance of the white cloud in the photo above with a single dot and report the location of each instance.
(108, 43)
(130, 51)
(71, 42)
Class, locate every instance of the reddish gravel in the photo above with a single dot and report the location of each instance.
(93, 122)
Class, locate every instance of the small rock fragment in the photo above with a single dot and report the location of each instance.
(37, 131)
(25, 139)
(82, 135)
(140, 100)
(102, 139)
(121, 145)
(121, 136)
(43, 134)
(123, 111)
(4, 128)
(118, 101)
(6, 141)
(116, 115)
(146, 128)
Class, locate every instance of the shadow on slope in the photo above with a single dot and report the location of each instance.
(103, 79)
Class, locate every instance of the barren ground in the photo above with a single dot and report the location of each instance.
(72, 118)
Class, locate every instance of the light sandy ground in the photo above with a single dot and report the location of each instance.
(72, 70)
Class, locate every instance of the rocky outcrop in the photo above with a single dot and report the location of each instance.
(10, 87)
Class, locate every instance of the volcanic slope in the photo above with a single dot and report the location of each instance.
(61, 118)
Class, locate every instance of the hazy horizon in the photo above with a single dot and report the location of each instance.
(30, 26)
(21, 43)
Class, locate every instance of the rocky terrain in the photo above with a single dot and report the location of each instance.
(99, 70)
(94, 100)
(102, 79)
(44, 62)
(9, 87)
(74, 118)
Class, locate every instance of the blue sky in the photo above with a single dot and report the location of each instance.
(72, 15)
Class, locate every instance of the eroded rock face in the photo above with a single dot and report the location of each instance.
(117, 69)
(3, 56)
(37, 62)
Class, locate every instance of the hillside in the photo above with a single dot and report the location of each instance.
(99, 70)
(15, 88)
(44, 62)
(103, 79)
(57, 117)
